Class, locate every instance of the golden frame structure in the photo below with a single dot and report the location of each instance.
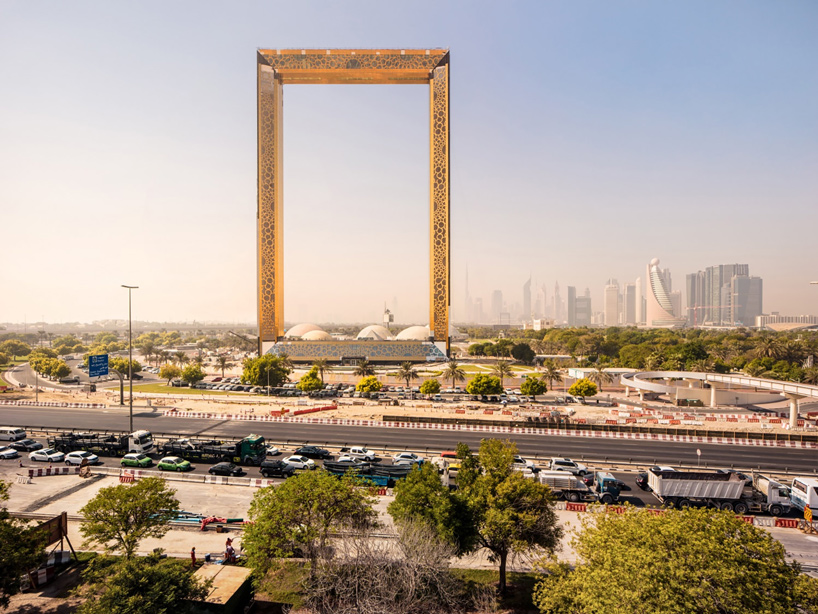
(277, 67)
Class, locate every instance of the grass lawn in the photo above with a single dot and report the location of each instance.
(4, 382)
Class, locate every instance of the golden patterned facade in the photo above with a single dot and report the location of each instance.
(277, 67)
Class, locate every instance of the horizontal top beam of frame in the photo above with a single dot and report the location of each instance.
(364, 66)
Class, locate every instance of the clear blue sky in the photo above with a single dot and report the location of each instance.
(587, 138)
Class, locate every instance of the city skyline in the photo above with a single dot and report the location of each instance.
(617, 134)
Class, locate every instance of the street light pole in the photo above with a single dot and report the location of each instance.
(130, 356)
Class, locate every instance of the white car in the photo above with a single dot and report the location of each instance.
(520, 462)
(273, 451)
(6, 452)
(566, 464)
(300, 462)
(76, 458)
(48, 455)
(407, 458)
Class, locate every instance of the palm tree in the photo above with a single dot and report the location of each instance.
(768, 347)
(599, 376)
(148, 349)
(702, 365)
(223, 362)
(454, 372)
(364, 368)
(811, 376)
(286, 362)
(653, 361)
(322, 366)
(551, 373)
(502, 370)
(407, 373)
(162, 355)
(181, 358)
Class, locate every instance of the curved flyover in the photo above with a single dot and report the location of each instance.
(644, 382)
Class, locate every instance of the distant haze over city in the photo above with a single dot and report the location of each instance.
(586, 140)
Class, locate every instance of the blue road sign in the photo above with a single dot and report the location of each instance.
(98, 365)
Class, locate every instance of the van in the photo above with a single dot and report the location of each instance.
(11, 433)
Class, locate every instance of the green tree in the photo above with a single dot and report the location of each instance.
(511, 514)
(364, 369)
(169, 371)
(423, 496)
(502, 370)
(677, 562)
(223, 362)
(15, 348)
(310, 381)
(523, 353)
(119, 365)
(484, 384)
(119, 517)
(430, 386)
(407, 373)
(368, 384)
(4, 359)
(599, 376)
(453, 372)
(144, 584)
(551, 373)
(323, 366)
(181, 358)
(300, 514)
(266, 370)
(533, 386)
(583, 388)
(22, 551)
(193, 374)
(58, 369)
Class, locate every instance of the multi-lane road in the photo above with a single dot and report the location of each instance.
(423, 440)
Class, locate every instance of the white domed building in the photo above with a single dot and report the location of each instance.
(299, 330)
(316, 335)
(414, 333)
(375, 332)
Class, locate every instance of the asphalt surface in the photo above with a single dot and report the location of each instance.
(427, 442)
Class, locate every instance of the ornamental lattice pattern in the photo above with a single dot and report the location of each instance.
(278, 67)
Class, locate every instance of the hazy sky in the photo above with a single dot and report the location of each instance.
(587, 138)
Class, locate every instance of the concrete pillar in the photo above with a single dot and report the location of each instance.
(642, 395)
(712, 395)
(627, 391)
(793, 412)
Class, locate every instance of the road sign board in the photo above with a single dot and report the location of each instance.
(98, 365)
(807, 514)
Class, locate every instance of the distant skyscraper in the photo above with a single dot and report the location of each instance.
(583, 313)
(713, 298)
(527, 313)
(572, 306)
(542, 305)
(659, 304)
(558, 316)
(611, 303)
(629, 304)
(496, 306)
(640, 312)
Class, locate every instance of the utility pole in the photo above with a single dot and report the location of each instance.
(130, 356)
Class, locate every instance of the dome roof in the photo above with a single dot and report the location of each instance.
(414, 333)
(299, 330)
(317, 335)
(376, 332)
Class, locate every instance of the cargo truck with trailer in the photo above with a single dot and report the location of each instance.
(726, 491)
(103, 445)
(249, 451)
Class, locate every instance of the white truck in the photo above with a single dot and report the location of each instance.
(557, 463)
(726, 491)
(804, 493)
(359, 452)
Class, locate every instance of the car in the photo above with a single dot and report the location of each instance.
(273, 451)
(276, 469)
(136, 459)
(300, 462)
(407, 458)
(520, 463)
(349, 461)
(47, 455)
(76, 458)
(7, 452)
(136, 376)
(225, 468)
(566, 464)
(173, 463)
(26, 445)
(313, 452)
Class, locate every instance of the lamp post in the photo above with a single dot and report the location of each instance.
(130, 356)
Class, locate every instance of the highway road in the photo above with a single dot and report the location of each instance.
(647, 452)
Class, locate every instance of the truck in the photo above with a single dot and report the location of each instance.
(103, 445)
(565, 485)
(359, 452)
(804, 493)
(726, 491)
(381, 475)
(248, 451)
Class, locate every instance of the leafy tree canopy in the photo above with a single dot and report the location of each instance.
(119, 517)
(169, 371)
(694, 560)
(368, 384)
(15, 348)
(22, 550)
(484, 384)
(533, 386)
(193, 374)
(430, 386)
(523, 353)
(310, 381)
(583, 388)
(265, 370)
